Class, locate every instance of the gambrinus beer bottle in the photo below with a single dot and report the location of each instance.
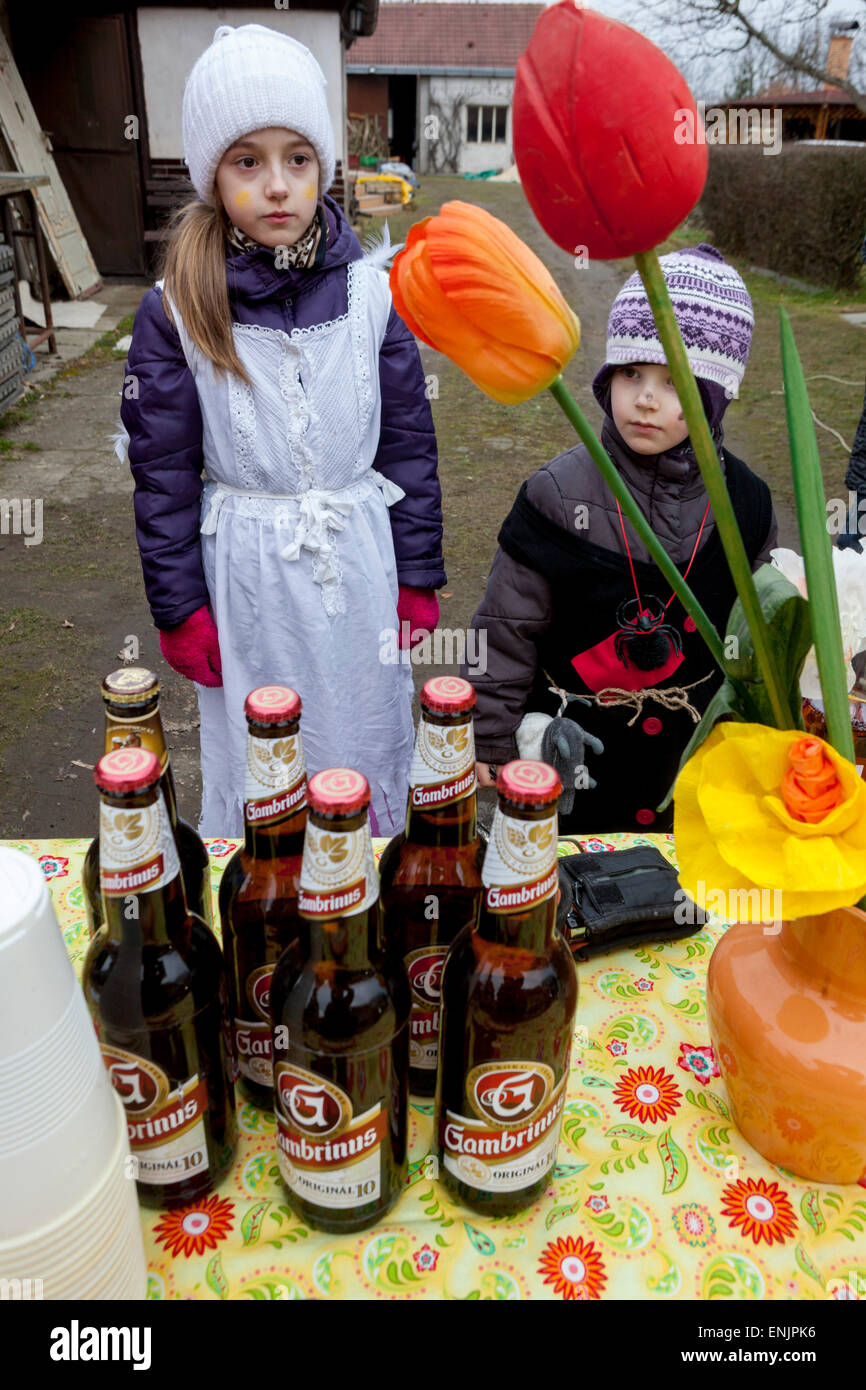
(155, 985)
(132, 720)
(429, 879)
(258, 897)
(509, 994)
(341, 1025)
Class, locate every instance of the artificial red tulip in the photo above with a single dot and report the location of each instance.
(608, 142)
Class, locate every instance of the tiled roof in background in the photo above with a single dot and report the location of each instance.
(446, 36)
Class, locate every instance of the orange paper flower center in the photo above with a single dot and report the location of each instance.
(810, 787)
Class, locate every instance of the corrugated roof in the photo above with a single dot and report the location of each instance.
(421, 36)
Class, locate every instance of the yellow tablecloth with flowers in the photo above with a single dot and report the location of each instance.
(656, 1196)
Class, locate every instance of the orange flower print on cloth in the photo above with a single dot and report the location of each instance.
(728, 1061)
(194, 1229)
(574, 1268)
(810, 787)
(760, 1209)
(700, 1061)
(795, 1127)
(647, 1094)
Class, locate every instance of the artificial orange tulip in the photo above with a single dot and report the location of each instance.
(467, 286)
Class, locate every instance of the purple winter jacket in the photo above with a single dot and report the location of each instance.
(165, 426)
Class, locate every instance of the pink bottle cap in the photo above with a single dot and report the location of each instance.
(529, 782)
(447, 695)
(127, 770)
(273, 704)
(338, 790)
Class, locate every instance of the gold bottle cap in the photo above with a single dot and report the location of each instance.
(131, 685)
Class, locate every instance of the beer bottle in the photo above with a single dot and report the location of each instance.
(258, 896)
(154, 982)
(428, 876)
(132, 720)
(341, 1025)
(509, 993)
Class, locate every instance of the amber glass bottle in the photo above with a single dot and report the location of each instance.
(258, 897)
(132, 720)
(154, 982)
(341, 1026)
(509, 994)
(815, 721)
(429, 878)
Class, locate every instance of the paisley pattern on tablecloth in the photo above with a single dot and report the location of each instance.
(655, 1194)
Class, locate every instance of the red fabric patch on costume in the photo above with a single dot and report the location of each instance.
(599, 667)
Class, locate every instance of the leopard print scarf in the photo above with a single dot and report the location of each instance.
(305, 252)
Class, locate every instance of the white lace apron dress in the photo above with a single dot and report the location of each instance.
(298, 554)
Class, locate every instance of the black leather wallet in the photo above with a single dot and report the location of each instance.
(622, 897)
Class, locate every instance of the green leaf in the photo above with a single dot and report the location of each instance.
(628, 1132)
(742, 696)
(559, 1213)
(674, 1162)
(725, 704)
(807, 1266)
(215, 1278)
(251, 1226)
(816, 546)
(483, 1244)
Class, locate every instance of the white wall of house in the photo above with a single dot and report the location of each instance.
(172, 40)
(473, 90)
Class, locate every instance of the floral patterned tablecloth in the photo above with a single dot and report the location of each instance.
(656, 1195)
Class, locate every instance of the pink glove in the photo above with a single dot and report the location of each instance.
(419, 608)
(192, 648)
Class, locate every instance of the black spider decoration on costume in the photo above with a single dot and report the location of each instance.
(644, 639)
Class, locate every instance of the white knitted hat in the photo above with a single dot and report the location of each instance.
(249, 79)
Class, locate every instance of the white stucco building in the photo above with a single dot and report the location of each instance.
(439, 77)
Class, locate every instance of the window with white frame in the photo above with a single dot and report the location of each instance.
(486, 125)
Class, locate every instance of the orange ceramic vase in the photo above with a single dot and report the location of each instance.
(787, 1013)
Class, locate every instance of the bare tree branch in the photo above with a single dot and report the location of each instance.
(793, 36)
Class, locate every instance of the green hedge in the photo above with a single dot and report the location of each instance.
(801, 212)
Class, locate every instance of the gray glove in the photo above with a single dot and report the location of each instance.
(564, 745)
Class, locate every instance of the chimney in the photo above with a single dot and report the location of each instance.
(839, 51)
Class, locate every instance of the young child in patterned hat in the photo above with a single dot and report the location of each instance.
(571, 578)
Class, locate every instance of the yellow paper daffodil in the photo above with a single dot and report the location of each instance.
(467, 286)
(770, 809)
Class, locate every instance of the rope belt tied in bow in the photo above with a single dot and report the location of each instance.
(671, 697)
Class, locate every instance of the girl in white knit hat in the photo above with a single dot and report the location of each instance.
(287, 500)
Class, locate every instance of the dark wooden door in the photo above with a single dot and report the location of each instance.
(81, 75)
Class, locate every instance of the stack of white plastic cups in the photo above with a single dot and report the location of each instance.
(69, 1220)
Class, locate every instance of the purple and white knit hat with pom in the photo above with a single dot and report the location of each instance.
(713, 310)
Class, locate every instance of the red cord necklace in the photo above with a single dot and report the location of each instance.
(641, 610)
(643, 638)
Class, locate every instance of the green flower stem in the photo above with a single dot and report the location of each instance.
(699, 433)
(817, 547)
(606, 467)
